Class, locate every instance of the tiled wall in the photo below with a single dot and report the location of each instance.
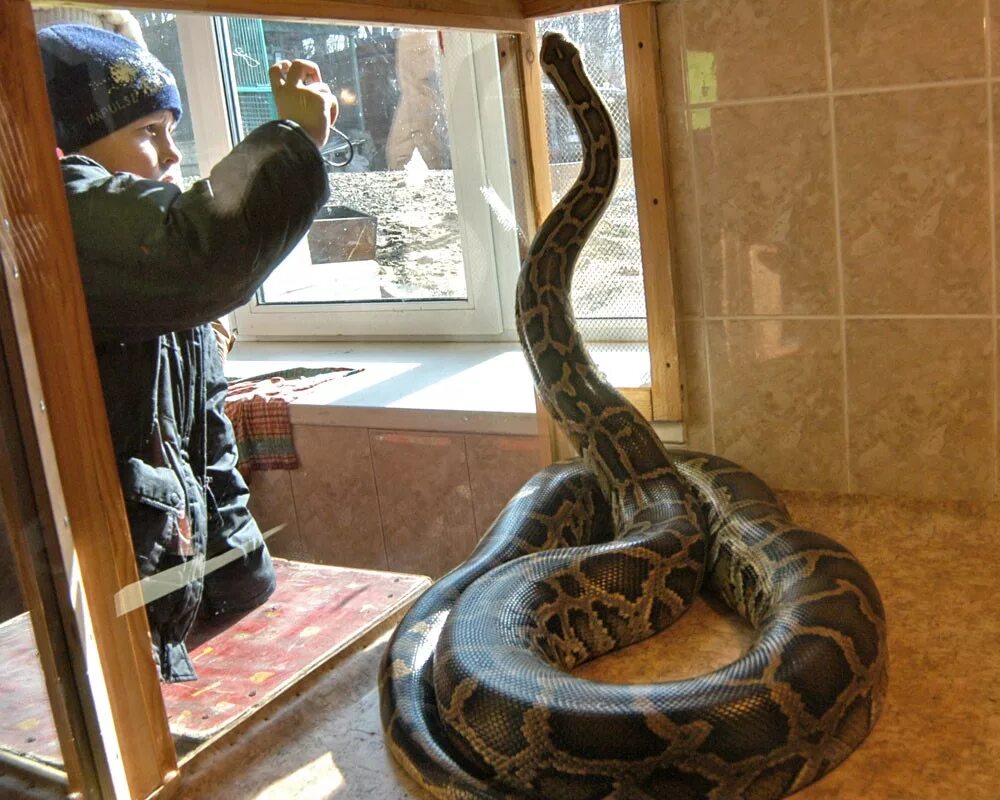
(834, 184)
(398, 500)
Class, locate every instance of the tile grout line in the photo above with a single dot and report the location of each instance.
(837, 243)
(991, 181)
(696, 180)
(805, 96)
(806, 317)
(295, 508)
(370, 435)
(472, 492)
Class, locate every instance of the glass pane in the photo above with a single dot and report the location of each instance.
(159, 31)
(227, 631)
(608, 294)
(28, 739)
(391, 229)
(29, 744)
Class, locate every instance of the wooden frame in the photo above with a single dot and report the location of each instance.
(116, 742)
(532, 9)
(91, 550)
(30, 525)
(662, 401)
(486, 15)
(647, 120)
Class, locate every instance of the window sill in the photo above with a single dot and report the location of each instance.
(481, 388)
(466, 387)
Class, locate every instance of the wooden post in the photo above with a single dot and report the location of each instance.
(647, 118)
(532, 9)
(66, 433)
(482, 15)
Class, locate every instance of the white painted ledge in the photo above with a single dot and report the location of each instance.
(469, 387)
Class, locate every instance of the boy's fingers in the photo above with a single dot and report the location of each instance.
(302, 71)
(276, 72)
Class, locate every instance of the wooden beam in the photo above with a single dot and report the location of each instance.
(641, 398)
(487, 15)
(534, 9)
(92, 553)
(647, 119)
(527, 138)
(521, 77)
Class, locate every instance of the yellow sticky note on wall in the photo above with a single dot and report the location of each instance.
(703, 84)
(703, 87)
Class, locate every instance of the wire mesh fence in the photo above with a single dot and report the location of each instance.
(608, 295)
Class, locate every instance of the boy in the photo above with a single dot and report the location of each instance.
(157, 265)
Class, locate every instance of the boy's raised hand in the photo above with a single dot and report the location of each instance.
(301, 96)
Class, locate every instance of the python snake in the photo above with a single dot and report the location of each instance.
(595, 554)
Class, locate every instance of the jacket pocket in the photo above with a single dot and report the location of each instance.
(154, 502)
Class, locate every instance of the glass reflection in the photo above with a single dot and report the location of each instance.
(29, 744)
(222, 642)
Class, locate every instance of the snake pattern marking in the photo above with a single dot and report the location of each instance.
(595, 554)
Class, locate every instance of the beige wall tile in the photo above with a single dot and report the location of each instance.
(765, 179)
(920, 405)
(425, 500)
(684, 244)
(892, 42)
(697, 413)
(914, 200)
(334, 491)
(670, 26)
(272, 504)
(685, 247)
(498, 467)
(777, 390)
(738, 49)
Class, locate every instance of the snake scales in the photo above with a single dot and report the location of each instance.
(595, 554)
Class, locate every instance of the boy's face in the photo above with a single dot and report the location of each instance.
(144, 147)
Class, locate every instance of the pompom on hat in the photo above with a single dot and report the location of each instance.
(99, 81)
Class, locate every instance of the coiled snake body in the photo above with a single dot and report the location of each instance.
(596, 554)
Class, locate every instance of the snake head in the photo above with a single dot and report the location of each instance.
(552, 44)
(557, 49)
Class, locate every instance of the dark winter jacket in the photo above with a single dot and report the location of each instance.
(157, 265)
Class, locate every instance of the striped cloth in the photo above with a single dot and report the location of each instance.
(258, 407)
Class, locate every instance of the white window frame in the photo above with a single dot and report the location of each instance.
(471, 81)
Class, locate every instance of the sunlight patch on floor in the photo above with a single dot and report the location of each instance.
(303, 782)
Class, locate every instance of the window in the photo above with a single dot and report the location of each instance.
(420, 237)
(415, 238)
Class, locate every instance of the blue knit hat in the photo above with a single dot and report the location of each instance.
(99, 82)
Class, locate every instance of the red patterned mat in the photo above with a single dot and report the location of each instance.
(26, 724)
(242, 662)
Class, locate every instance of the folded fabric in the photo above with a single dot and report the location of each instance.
(258, 407)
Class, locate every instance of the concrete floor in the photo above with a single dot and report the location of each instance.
(938, 739)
